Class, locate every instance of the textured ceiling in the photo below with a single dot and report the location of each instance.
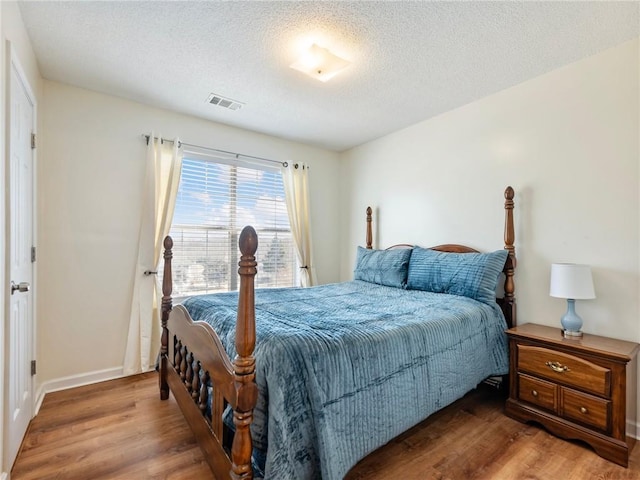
(409, 60)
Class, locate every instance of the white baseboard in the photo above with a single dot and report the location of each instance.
(39, 398)
(4, 476)
(72, 381)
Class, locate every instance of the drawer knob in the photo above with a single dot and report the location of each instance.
(584, 410)
(534, 393)
(557, 367)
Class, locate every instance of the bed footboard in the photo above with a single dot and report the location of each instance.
(196, 369)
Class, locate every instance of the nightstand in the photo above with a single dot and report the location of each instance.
(582, 388)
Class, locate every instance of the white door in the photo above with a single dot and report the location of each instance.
(20, 208)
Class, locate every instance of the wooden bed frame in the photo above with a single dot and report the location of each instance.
(192, 356)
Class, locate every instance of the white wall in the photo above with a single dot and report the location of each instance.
(91, 175)
(567, 141)
(11, 30)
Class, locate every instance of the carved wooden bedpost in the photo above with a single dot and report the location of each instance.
(509, 239)
(369, 232)
(244, 364)
(167, 288)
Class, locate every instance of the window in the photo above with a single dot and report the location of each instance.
(215, 201)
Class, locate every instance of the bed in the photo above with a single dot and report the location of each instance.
(322, 376)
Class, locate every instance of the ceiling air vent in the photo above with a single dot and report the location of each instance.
(224, 102)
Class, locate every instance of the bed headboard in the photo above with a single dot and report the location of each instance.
(508, 301)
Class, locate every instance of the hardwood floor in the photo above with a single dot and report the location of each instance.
(111, 430)
(121, 430)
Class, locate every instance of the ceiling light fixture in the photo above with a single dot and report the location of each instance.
(320, 63)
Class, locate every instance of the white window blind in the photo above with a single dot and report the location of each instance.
(215, 201)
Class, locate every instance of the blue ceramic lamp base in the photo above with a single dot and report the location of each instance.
(571, 322)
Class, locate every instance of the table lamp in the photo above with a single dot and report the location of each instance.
(573, 282)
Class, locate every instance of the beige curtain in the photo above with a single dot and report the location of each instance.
(296, 189)
(164, 161)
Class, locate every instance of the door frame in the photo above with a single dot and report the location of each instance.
(13, 64)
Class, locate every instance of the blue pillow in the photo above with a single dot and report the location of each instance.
(384, 267)
(472, 275)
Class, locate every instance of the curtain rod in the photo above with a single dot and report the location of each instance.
(237, 155)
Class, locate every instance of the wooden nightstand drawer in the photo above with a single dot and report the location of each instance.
(584, 408)
(565, 368)
(538, 392)
(578, 388)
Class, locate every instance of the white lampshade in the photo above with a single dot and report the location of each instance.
(569, 280)
(320, 63)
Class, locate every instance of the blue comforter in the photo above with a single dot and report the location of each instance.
(344, 368)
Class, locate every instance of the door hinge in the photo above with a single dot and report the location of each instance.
(33, 141)
(33, 254)
(33, 367)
